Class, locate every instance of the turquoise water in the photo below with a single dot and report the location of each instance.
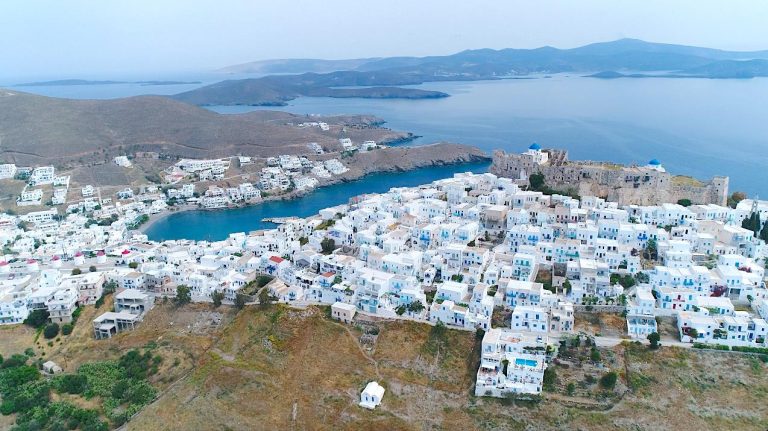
(526, 362)
(217, 224)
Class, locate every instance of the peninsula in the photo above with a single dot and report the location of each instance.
(379, 77)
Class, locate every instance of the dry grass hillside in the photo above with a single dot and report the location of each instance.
(295, 369)
(36, 130)
(284, 368)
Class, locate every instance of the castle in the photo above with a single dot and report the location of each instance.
(628, 185)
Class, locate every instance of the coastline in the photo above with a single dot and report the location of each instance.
(358, 174)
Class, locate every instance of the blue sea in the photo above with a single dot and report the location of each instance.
(217, 224)
(698, 127)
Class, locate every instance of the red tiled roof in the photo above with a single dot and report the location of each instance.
(276, 259)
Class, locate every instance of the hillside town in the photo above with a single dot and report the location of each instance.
(195, 182)
(452, 253)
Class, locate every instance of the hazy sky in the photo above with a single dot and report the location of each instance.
(107, 38)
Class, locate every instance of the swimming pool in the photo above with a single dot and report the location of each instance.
(526, 362)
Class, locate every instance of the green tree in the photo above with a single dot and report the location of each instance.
(183, 295)
(693, 333)
(217, 298)
(328, 245)
(764, 232)
(536, 181)
(76, 271)
(571, 388)
(654, 339)
(133, 265)
(415, 307)
(37, 318)
(684, 202)
(240, 300)
(567, 286)
(651, 249)
(91, 268)
(642, 277)
(51, 330)
(550, 377)
(608, 381)
(264, 299)
(735, 198)
(110, 286)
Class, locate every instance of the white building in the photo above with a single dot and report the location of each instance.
(371, 395)
(122, 161)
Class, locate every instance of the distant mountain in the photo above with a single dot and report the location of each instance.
(623, 54)
(64, 82)
(724, 69)
(67, 82)
(620, 58)
(278, 89)
(731, 69)
(296, 66)
(36, 130)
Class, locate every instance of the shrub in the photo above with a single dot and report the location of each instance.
(77, 271)
(71, 383)
(91, 268)
(66, 329)
(749, 349)
(594, 355)
(654, 339)
(133, 265)
(550, 377)
(51, 331)
(217, 298)
(608, 381)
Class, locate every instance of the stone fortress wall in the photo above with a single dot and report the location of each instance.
(627, 185)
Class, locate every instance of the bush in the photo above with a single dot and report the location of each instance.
(91, 268)
(76, 271)
(608, 381)
(13, 362)
(133, 265)
(749, 349)
(71, 383)
(51, 331)
(550, 377)
(217, 298)
(66, 329)
(594, 355)
(654, 339)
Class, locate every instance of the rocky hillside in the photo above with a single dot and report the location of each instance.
(36, 130)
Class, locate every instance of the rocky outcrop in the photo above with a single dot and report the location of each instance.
(407, 158)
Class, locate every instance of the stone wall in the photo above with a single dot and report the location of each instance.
(623, 184)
